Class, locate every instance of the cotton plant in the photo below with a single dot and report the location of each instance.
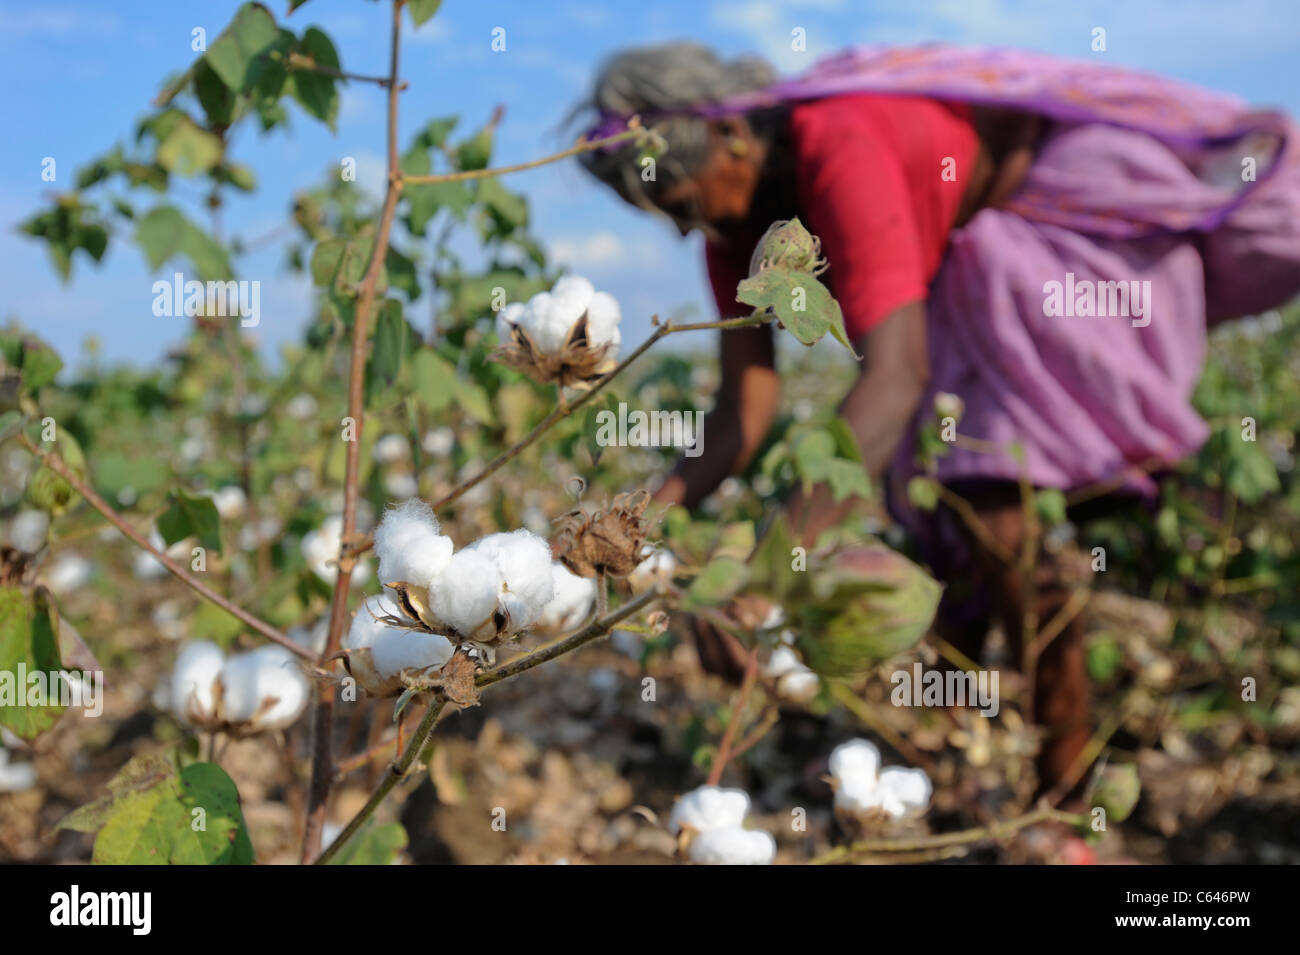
(658, 564)
(384, 659)
(479, 596)
(793, 679)
(261, 691)
(709, 824)
(867, 795)
(569, 335)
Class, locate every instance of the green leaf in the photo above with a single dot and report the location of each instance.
(374, 844)
(435, 133)
(231, 56)
(426, 200)
(509, 208)
(29, 639)
(804, 306)
(813, 454)
(721, 579)
(421, 10)
(402, 274)
(164, 232)
(923, 493)
(189, 515)
(435, 380)
(770, 569)
(847, 479)
(389, 348)
(1050, 504)
(216, 98)
(475, 152)
(189, 150)
(190, 818)
(317, 93)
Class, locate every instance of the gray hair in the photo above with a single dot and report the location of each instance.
(662, 79)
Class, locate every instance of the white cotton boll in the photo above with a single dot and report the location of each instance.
(603, 316)
(856, 759)
(546, 323)
(395, 650)
(230, 501)
(709, 807)
(390, 448)
(401, 485)
(572, 295)
(279, 679)
(798, 687)
(321, 547)
(855, 794)
(193, 684)
(409, 546)
(15, 777)
(659, 566)
(782, 661)
(572, 602)
(69, 573)
(732, 845)
(524, 561)
(301, 406)
(440, 442)
(365, 629)
(901, 791)
(506, 320)
(464, 596)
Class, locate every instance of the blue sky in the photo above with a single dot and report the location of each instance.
(77, 75)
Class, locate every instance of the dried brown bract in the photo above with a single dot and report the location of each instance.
(578, 364)
(604, 542)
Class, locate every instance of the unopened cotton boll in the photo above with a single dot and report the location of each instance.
(709, 807)
(194, 680)
(464, 596)
(572, 602)
(733, 845)
(410, 548)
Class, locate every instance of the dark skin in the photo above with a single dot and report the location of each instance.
(742, 187)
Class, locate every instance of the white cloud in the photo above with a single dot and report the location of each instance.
(602, 249)
(55, 21)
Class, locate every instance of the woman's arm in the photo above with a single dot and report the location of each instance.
(878, 408)
(746, 407)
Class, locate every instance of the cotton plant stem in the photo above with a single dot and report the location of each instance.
(396, 772)
(565, 409)
(60, 467)
(322, 771)
(597, 628)
(992, 832)
(576, 150)
(723, 755)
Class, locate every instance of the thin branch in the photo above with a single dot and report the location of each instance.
(300, 61)
(322, 772)
(60, 467)
(420, 737)
(723, 755)
(972, 520)
(583, 146)
(992, 832)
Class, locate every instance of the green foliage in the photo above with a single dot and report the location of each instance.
(375, 844)
(801, 303)
(189, 515)
(159, 813)
(29, 639)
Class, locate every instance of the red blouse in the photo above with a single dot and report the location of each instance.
(872, 185)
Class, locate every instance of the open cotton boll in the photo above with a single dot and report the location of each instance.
(321, 548)
(658, 565)
(794, 681)
(901, 790)
(410, 547)
(365, 629)
(732, 845)
(193, 684)
(603, 316)
(230, 501)
(572, 602)
(396, 650)
(390, 448)
(546, 323)
(572, 295)
(506, 320)
(856, 760)
(15, 777)
(524, 561)
(70, 572)
(263, 688)
(709, 807)
(28, 529)
(464, 596)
